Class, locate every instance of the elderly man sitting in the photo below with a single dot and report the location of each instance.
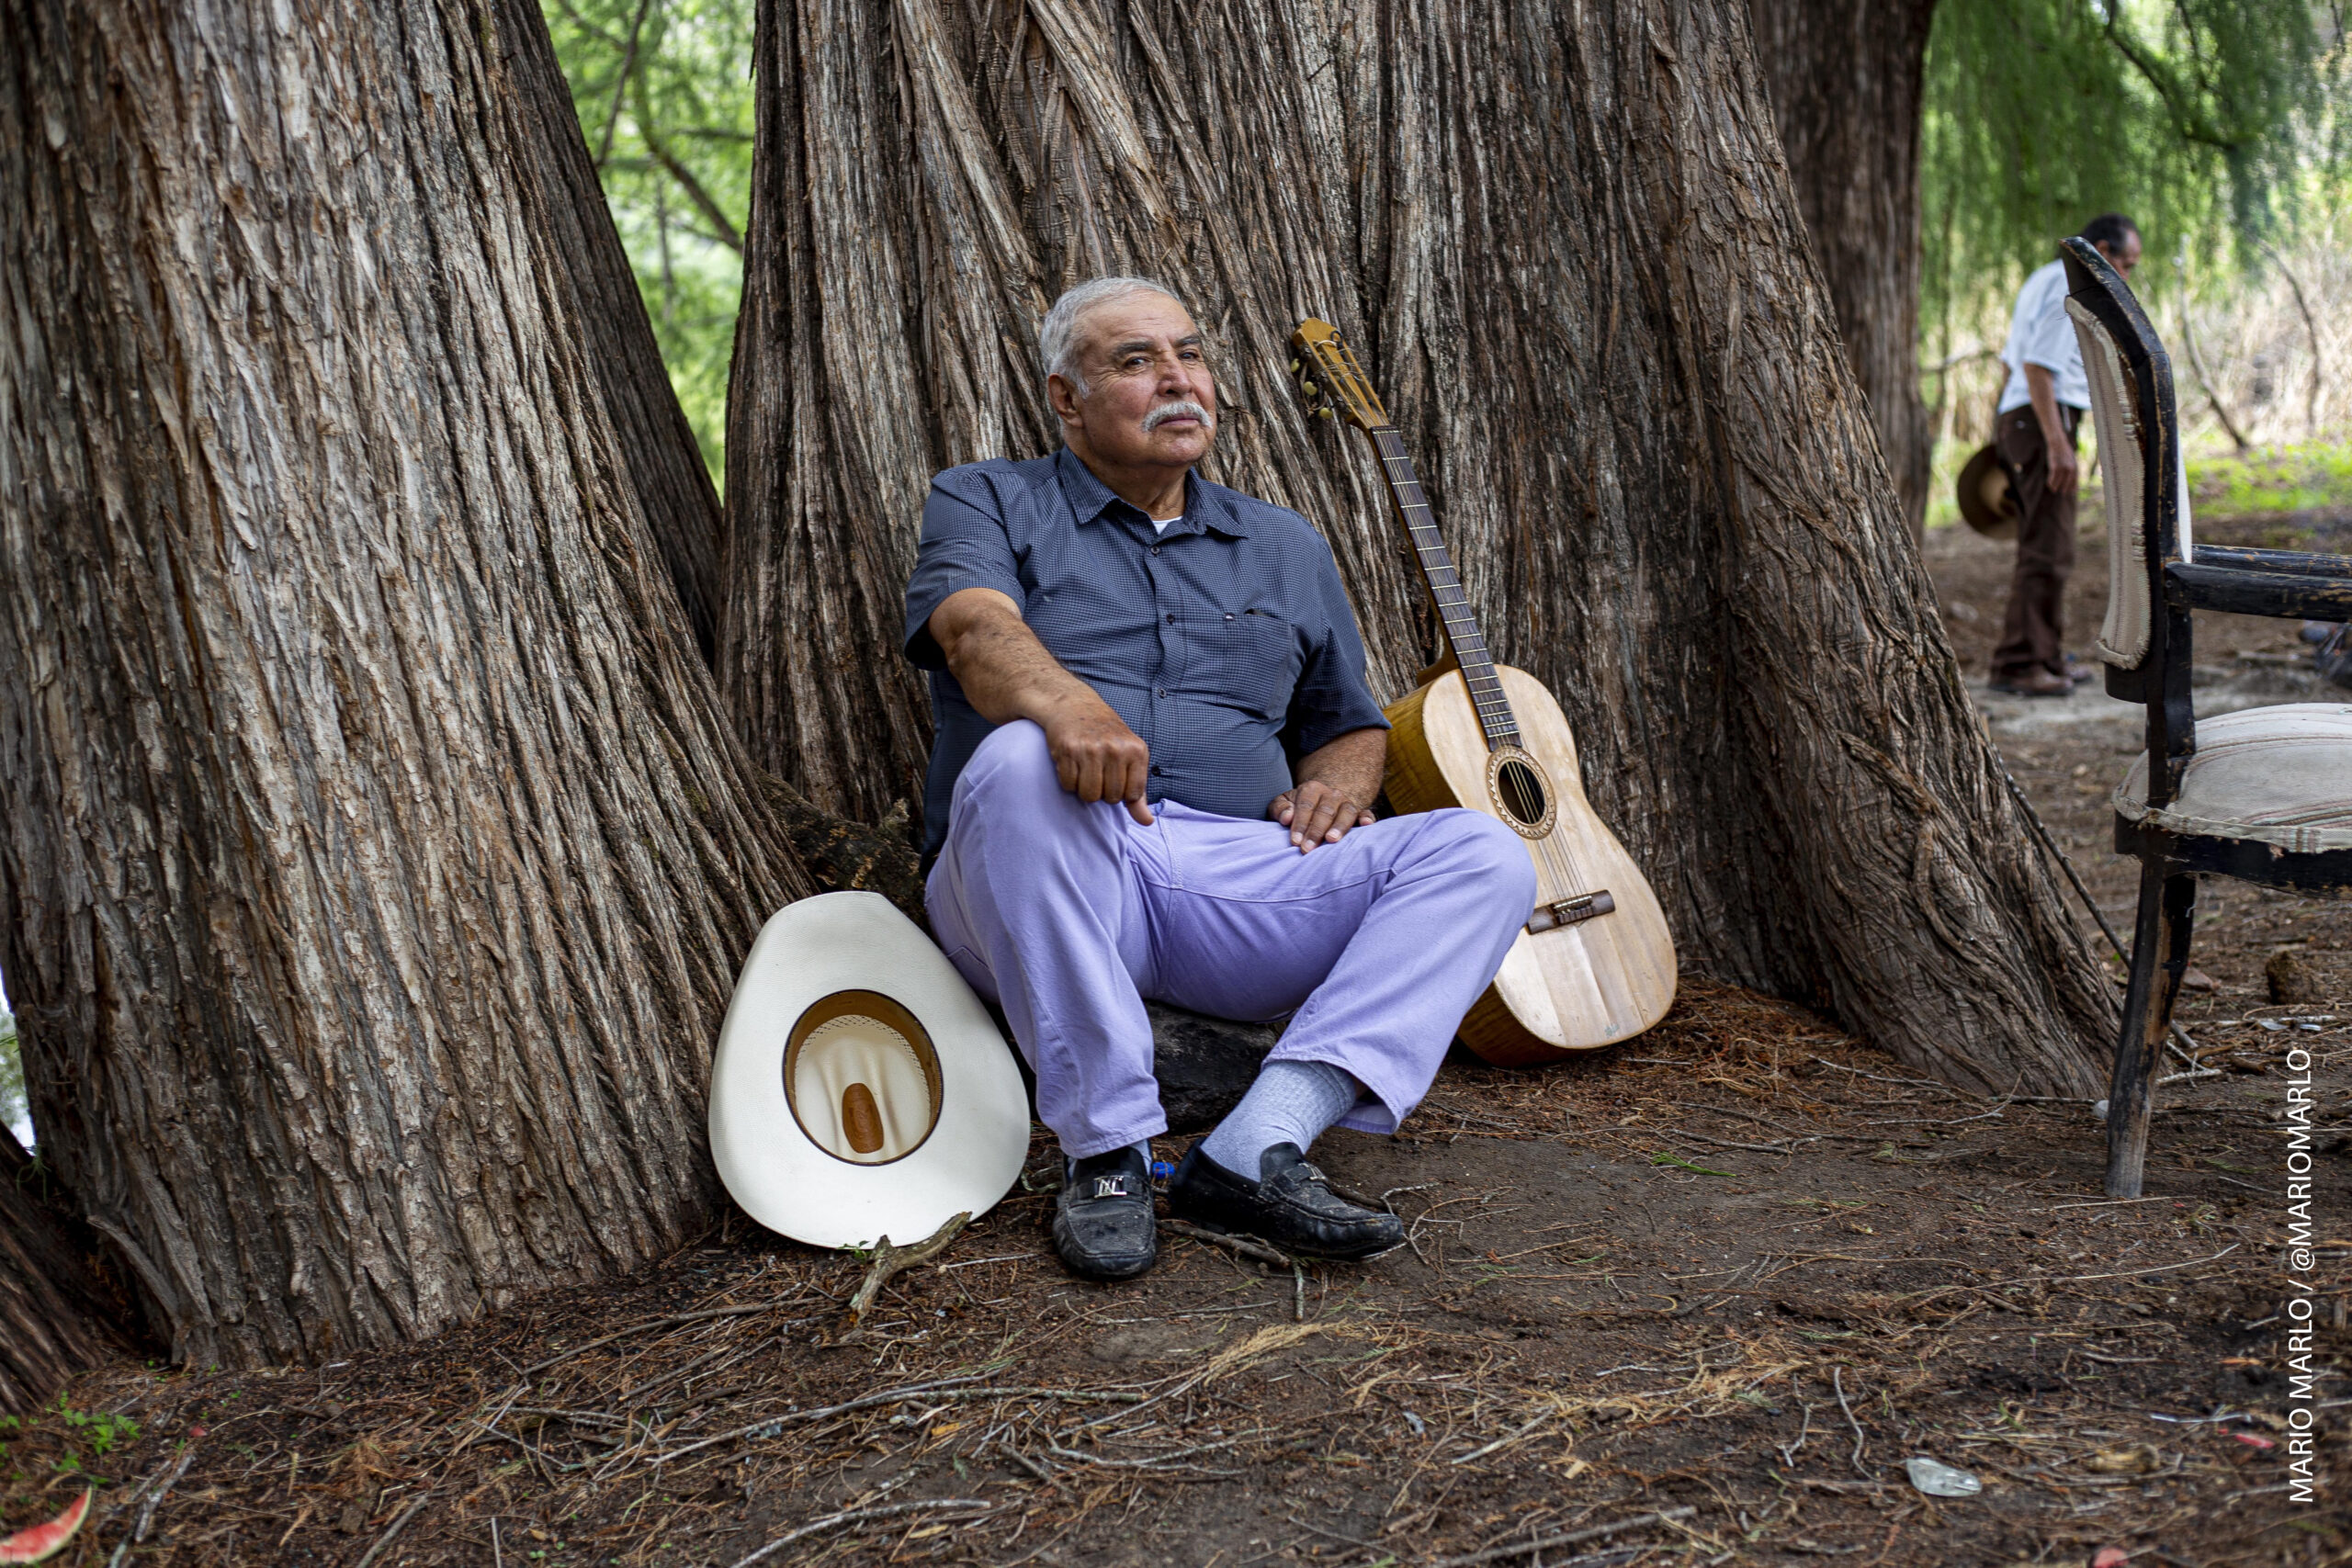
(1125, 658)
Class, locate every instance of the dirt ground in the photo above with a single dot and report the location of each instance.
(1694, 1300)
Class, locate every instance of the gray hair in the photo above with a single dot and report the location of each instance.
(1057, 342)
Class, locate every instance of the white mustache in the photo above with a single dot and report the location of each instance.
(1183, 408)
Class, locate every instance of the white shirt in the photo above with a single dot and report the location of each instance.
(2040, 333)
(1161, 525)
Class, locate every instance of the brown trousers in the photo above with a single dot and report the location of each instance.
(2033, 630)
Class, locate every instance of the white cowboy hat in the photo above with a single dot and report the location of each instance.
(861, 1089)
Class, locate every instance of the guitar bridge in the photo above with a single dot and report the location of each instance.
(1569, 911)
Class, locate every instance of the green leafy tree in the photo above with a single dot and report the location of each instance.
(2205, 120)
(664, 94)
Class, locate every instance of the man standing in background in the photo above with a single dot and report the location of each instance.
(2034, 431)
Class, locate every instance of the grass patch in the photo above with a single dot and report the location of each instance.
(2309, 478)
(2266, 480)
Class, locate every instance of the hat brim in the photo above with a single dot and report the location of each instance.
(858, 942)
(1986, 502)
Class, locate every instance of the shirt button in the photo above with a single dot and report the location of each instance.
(1162, 692)
(1156, 770)
(1171, 617)
(1155, 549)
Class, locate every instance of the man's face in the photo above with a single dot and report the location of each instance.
(1142, 362)
(2125, 256)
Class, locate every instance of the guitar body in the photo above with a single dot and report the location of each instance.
(1582, 983)
(1595, 963)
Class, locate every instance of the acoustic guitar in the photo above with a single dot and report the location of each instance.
(1596, 962)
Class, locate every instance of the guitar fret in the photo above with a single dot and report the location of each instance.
(1481, 683)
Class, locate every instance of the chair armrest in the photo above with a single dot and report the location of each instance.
(2302, 563)
(2259, 591)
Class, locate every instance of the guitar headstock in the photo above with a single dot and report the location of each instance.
(1332, 380)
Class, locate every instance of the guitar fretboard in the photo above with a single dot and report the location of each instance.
(1462, 634)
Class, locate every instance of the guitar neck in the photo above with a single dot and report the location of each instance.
(1463, 638)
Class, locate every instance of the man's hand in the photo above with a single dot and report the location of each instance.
(1318, 813)
(1096, 756)
(1335, 782)
(2065, 469)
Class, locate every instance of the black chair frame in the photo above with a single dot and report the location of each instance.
(2283, 583)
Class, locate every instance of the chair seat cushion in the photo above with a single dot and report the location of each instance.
(2277, 775)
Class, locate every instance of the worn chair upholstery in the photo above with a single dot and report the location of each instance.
(2264, 795)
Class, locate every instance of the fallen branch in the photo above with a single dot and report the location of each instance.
(147, 1511)
(1595, 1532)
(671, 1322)
(1838, 1382)
(890, 1260)
(1230, 1243)
(946, 1389)
(384, 1540)
(859, 1516)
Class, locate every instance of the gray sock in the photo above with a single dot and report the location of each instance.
(1292, 1102)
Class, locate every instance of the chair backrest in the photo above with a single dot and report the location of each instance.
(2145, 482)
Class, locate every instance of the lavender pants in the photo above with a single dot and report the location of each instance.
(1068, 915)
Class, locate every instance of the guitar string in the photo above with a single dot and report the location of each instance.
(1495, 718)
(1554, 852)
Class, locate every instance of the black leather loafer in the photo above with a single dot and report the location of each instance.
(1102, 1222)
(1288, 1206)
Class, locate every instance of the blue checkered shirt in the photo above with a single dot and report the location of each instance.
(1227, 644)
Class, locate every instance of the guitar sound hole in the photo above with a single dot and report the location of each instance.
(1521, 789)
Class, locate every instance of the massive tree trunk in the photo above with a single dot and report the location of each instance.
(1562, 234)
(376, 854)
(59, 1313)
(1845, 80)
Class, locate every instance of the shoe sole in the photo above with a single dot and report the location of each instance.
(1107, 1276)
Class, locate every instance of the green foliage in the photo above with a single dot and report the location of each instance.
(14, 1113)
(2202, 119)
(90, 1435)
(2271, 480)
(663, 91)
(101, 1431)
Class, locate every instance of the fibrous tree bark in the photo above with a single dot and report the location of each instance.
(1845, 79)
(1563, 236)
(60, 1313)
(375, 855)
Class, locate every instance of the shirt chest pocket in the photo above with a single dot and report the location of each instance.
(1260, 663)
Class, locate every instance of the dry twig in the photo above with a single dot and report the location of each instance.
(859, 1516)
(890, 1260)
(1247, 1249)
(1570, 1537)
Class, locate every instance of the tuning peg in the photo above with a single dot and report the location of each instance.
(1310, 387)
(1325, 411)
(1294, 367)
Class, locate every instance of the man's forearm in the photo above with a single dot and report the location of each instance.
(1007, 674)
(2042, 388)
(1353, 764)
(1004, 671)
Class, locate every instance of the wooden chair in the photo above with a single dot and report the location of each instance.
(2264, 795)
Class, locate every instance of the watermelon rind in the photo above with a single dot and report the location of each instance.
(42, 1542)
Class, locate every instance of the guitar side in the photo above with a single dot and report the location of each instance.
(1575, 986)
